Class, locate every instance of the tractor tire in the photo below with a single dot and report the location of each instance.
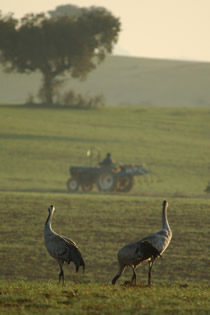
(125, 183)
(72, 184)
(106, 180)
(87, 187)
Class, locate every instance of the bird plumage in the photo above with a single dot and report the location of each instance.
(61, 248)
(147, 249)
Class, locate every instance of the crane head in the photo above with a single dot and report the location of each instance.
(51, 209)
(165, 203)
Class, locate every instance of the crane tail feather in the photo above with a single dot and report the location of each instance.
(79, 262)
(148, 250)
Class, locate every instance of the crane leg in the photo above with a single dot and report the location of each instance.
(61, 274)
(150, 272)
(121, 270)
(134, 276)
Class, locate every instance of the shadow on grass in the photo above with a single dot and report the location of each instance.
(100, 193)
(11, 136)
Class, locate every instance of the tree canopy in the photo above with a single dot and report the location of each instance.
(55, 45)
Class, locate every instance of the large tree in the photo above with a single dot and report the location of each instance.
(55, 45)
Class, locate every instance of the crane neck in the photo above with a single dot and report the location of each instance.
(48, 221)
(165, 223)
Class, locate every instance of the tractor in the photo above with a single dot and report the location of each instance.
(106, 178)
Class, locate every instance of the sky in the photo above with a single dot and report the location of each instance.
(172, 29)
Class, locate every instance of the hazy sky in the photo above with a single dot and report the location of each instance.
(177, 29)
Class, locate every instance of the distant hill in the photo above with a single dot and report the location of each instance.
(127, 81)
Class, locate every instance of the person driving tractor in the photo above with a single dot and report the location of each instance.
(107, 161)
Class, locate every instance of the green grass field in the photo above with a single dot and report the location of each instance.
(37, 148)
(39, 145)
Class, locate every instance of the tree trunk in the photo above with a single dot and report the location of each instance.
(47, 90)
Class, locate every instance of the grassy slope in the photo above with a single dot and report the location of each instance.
(37, 147)
(127, 80)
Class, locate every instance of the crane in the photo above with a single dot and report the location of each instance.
(147, 249)
(60, 247)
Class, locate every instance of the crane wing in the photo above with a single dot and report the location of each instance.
(159, 240)
(58, 246)
(64, 248)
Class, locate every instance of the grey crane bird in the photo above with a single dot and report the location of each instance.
(60, 247)
(147, 249)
